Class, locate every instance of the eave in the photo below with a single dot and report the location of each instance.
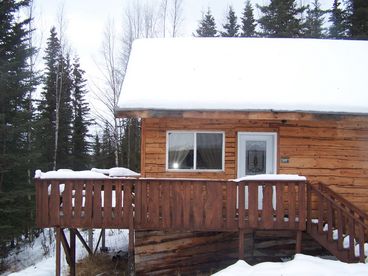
(240, 114)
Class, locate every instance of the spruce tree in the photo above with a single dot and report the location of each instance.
(107, 147)
(338, 19)
(231, 27)
(358, 18)
(97, 161)
(281, 18)
(315, 21)
(80, 147)
(207, 26)
(15, 83)
(55, 108)
(248, 23)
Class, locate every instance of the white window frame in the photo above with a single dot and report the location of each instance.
(195, 132)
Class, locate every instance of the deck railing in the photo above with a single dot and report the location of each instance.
(330, 215)
(171, 204)
(84, 203)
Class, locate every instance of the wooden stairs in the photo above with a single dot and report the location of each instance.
(336, 224)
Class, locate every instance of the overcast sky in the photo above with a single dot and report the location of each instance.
(86, 20)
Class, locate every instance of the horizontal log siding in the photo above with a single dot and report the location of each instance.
(333, 149)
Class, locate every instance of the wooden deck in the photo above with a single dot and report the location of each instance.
(200, 205)
(171, 204)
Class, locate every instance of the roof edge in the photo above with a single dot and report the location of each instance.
(261, 114)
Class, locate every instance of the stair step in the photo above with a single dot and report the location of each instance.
(342, 254)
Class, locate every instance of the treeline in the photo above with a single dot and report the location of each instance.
(288, 19)
(45, 121)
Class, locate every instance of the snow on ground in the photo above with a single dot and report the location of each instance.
(301, 265)
(39, 259)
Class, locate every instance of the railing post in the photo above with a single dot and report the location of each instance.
(302, 205)
(309, 207)
(130, 212)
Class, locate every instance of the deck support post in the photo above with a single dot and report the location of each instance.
(241, 244)
(131, 261)
(72, 252)
(58, 248)
(252, 243)
(298, 246)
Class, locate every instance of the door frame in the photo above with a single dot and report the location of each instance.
(275, 153)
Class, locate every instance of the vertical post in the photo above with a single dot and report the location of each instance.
(103, 243)
(252, 243)
(57, 256)
(90, 238)
(241, 244)
(72, 252)
(131, 269)
(298, 247)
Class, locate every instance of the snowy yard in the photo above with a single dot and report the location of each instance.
(32, 262)
(39, 259)
(301, 265)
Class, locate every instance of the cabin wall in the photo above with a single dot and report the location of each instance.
(330, 149)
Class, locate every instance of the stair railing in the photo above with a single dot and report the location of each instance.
(337, 219)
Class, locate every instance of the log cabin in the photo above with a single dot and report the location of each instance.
(250, 148)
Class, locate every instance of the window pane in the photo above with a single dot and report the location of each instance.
(181, 149)
(209, 151)
(256, 157)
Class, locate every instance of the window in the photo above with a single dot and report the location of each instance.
(195, 150)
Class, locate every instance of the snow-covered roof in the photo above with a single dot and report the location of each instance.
(246, 74)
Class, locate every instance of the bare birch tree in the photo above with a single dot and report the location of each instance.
(59, 81)
(176, 16)
(112, 73)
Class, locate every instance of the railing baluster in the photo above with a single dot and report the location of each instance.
(67, 203)
(309, 207)
(302, 205)
(78, 203)
(351, 239)
(320, 213)
(280, 211)
(97, 206)
(361, 244)
(340, 229)
(107, 214)
(253, 203)
(241, 198)
(54, 203)
(88, 204)
(292, 204)
(118, 208)
(230, 204)
(267, 213)
(329, 221)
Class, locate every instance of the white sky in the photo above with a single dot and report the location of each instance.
(86, 20)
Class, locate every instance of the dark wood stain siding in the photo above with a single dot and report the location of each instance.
(330, 149)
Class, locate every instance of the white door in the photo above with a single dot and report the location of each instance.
(256, 155)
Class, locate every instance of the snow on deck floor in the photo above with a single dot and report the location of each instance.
(301, 265)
